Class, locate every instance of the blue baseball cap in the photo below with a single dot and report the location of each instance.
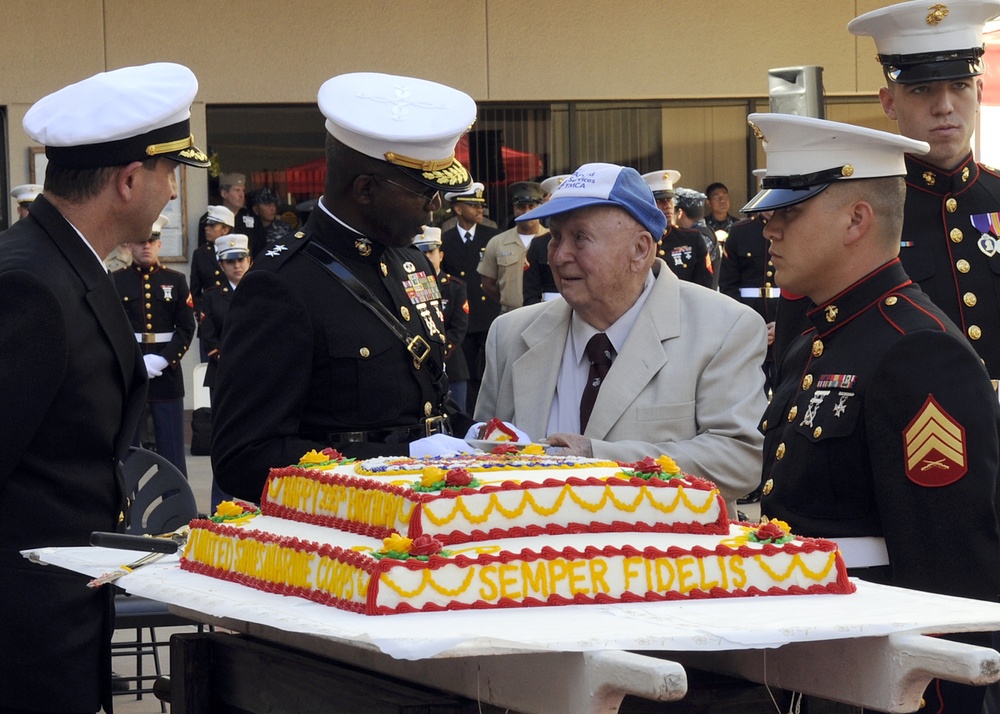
(604, 185)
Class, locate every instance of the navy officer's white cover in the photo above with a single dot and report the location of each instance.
(413, 124)
(120, 116)
(924, 41)
(805, 155)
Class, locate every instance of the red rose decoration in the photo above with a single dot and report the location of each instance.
(504, 449)
(425, 545)
(769, 531)
(332, 454)
(458, 477)
(647, 466)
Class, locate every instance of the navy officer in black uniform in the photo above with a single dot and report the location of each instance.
(336, 335)
(882, 432)
(159, 308)
(72, 381)
(682, 249)
(932, 59)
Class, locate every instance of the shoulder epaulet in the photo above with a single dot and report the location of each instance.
(274, 255)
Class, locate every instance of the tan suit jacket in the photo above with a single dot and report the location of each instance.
(688, 382)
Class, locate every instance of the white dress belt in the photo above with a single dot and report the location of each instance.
(153, 338)
(863, 552)
(760, 292)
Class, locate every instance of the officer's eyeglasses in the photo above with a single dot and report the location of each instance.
(428, 195)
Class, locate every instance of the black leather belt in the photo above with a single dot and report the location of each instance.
(397, 435)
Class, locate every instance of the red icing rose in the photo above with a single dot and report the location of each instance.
(458, 477)
(647, 466)
(769, 531)
(332, 454)
(425, 545)
(247, 507)
(504, 449)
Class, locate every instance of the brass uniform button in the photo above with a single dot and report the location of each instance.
(807, 381)
(780, 453)
(148, 296)
(770, 274)
(461, 273)
(792, 413)
(365, 352)
(970, 299)
(483, 298)
(385, 269)
(763, 425)
(121, 516)
(768, 486)
(149, 326)
(428, 408)
(404, 311)
(817, 348)
(975, 332)
(963, 266)
(817, 432)
(891, 300)
(951, 205)
(149, 306)
(956, 235)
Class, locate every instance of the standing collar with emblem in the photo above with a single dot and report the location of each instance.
(146, 270)
(932, 179)
(343, 240)
(858, 298)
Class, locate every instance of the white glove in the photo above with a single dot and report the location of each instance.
(522, 437)
(439, 445)
(154, 365)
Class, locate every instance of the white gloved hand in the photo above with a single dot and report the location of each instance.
(439, 445)
(522, 437)
(154, 365)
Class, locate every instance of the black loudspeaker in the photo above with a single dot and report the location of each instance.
(797, 90)
(485, 156)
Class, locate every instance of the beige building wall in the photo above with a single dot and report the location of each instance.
(496, 50)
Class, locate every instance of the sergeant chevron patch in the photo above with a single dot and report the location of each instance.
(934, 445)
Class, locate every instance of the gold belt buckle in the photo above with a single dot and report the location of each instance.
(148, 338)
(435, 425)
(419, 349)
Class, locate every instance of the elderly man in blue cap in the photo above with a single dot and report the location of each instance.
(631, 361)
(73, 378)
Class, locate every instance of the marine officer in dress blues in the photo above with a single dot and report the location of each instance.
(882, 433)
(159, 307)
(682, 249)
(455, 305)
(336, 336)
(932, 59)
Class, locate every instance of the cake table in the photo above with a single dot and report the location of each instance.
(869, 648)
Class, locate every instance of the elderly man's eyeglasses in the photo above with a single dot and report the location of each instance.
(427, 195)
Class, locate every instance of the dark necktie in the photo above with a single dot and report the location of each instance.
(467, 237)
(599, 352)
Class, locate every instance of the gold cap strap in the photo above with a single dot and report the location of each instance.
(170, 146)
(411, 163)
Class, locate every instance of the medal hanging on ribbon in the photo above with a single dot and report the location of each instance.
(988, 224)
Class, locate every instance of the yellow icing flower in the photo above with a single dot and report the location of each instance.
(314, 457)
(397, 543)
(228, 508)
(536, 449)
(782, 525)
(432, 475)
(668, 465)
